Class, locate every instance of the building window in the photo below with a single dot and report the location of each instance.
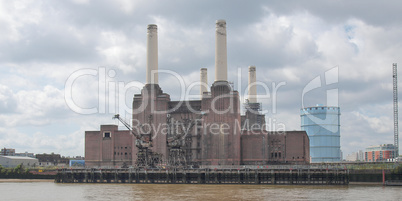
(107, 134)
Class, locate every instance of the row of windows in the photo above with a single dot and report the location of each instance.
(279, 155)
(276, 155)
(315, 108)
(122, 147)
(121, 153)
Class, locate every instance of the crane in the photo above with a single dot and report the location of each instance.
(145, 156)
(179, 140)
(395, 96)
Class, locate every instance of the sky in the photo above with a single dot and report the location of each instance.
(68, 66)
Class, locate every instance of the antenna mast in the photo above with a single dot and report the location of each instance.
(396, 132)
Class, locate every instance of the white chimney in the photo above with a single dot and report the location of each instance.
(204, 81)
(252, 88)
(220, 51)
(152, 54)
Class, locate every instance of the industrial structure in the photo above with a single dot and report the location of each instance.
(395, 98)
(209, 131)
(266, 176)
(323, 128)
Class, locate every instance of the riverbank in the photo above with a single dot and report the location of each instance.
(52, 181)
(366, 183)
(25, 180)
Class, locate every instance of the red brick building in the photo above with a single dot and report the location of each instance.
(218, 135)
(275, 148)
(108, 147)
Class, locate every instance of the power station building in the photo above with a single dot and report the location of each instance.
(322, 126)
(211, 130)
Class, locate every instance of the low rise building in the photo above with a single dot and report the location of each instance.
(52, 160)
(7, 152)
(355, 156)
(13, 161)
(11, 152)
(380, 153)
(26, 154)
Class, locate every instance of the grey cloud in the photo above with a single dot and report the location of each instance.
(71, 33)
(371, 11)
(8, 101)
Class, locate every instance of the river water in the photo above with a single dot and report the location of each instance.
(13, 190)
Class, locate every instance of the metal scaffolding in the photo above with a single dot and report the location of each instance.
(145, 156)
(395, 90)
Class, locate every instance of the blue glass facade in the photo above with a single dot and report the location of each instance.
(323, 128)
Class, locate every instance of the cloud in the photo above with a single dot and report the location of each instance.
(37, 142)
(7, 100)
(371, 11)
(122, 52)
(32, 107)
(44, 43)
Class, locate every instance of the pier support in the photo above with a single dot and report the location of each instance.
(206, 176)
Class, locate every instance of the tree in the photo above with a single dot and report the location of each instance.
(398, 170)
(19, 169)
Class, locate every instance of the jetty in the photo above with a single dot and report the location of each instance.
(260, 175)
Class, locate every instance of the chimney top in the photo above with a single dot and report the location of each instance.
(152, 26)
(221, 23)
